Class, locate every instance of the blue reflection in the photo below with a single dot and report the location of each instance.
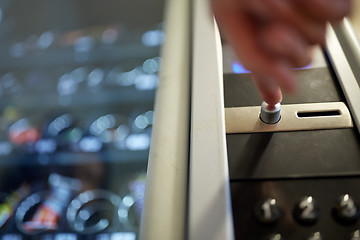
(65, 236)
(90, 144)
(45, 40)
(238, 68)
(95, 77)
(102, 123)
(84, 44)
(5, 148)
(146, 82)
(17, 50)
(67, 85)
(153, 38)
(110, 36)
(79, 74)
(19, 126)
(44, 146)
(306, 67)
(121, 132)
(11, 236)
(137, 142)
(150, 66)
(8, 80)
(59, 124)
(123, 236)
(141, 122)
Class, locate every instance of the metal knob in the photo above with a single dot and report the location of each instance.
(346, 211)
(316, 236)
(275, 237)
(355, 235)
(307, 212)
(268, 211)
(270, 114)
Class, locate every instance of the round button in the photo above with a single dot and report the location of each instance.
(306, 211)
(270, 114)
(275, 237)
(355, 235)
(315, 236)
(268, 211)
(346, 211)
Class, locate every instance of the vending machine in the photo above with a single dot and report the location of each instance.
(124, 120)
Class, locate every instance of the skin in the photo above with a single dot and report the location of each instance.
(272, 36)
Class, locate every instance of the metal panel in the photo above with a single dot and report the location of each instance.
(330, 115)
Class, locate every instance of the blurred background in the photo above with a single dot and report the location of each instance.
(77, 87)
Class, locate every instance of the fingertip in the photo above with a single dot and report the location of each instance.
(285, 77)
(272, 98)
(268, 89)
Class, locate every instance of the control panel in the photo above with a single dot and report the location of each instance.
(294, 168)
(297, 209)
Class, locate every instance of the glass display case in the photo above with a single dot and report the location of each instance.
(77, 89)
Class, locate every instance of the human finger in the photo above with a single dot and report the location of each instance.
(313, 30)
(327, 10)
(242, 33)
(283, 42)
(258, 10)
(269, 91)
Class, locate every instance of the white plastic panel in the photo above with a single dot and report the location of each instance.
(210, 214)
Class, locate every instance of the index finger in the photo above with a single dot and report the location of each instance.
(242, 33)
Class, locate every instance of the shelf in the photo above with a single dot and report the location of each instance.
(67, 56)
(76, 158)
(113, 97)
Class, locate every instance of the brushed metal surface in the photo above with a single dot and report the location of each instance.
(246, 119)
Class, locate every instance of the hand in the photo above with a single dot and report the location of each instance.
(272, 36)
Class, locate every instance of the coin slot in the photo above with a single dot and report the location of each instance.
(329, 113)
